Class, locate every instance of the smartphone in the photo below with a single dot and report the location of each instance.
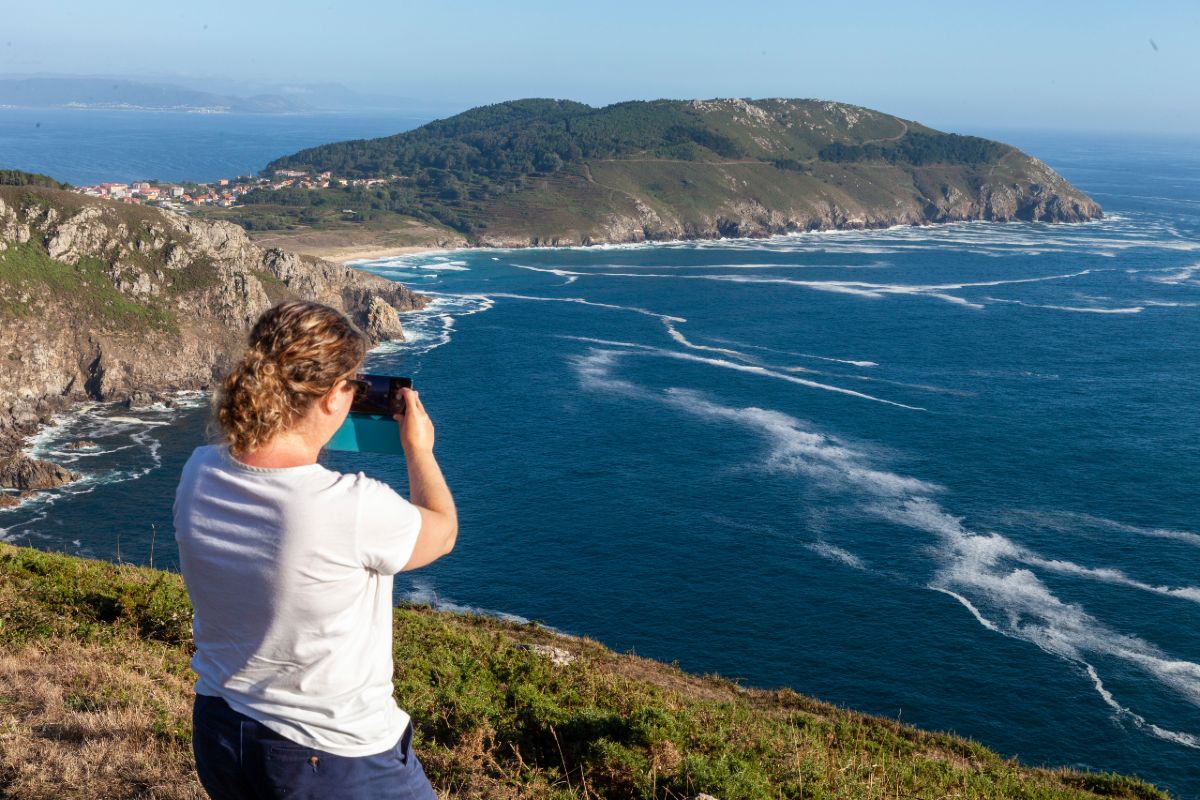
(370, 427)
(379, 394)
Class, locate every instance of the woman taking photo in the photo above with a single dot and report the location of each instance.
(289, 567)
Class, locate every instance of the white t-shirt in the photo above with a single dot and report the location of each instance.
(290, 575)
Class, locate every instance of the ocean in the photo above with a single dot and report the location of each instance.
(945, 474)
(84, 146)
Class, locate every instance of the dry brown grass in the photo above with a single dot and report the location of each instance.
(87, 721)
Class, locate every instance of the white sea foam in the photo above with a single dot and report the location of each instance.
(432, 326)
(822, 240)
(987, 573)
(1106, 575)
(1074, 309)
(562, 273)
(582, 301)
(606, 268)
(405, 259)
(920, 387)
(748, 363)
(798, 448)
(1114, 233)
(1176, 275)
(1121, 712)
(857, 288)
(835, 553)
(851, 362)
(607, 356)
(1070, 521)
(114, 432)
(977, 565)
(445, 265)
(967, 604)
(422, 593)
(138, 421)
(674, 333)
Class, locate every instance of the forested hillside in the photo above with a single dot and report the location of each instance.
(542, 171)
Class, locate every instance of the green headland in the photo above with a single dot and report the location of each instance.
(538, 172)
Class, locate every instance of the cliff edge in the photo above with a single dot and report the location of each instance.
(97, 692)
(108, 301)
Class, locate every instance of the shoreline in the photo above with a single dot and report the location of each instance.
(348, 257)
(353, 257)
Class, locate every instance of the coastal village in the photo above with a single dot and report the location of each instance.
(223, 193)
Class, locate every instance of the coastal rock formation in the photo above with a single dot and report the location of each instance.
(113, 302)
(21, 472)
(957, 198)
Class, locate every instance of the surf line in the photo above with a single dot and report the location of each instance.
(851, 362)
(860, 288)
(669, 322)
(975, 568)
(632, 348)
(751, 364)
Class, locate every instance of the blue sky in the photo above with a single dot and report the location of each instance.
(1047, 64)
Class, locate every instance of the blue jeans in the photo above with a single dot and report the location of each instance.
(239, 758)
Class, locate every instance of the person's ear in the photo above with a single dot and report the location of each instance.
(331, 402)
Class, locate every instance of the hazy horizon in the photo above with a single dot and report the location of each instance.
(1102, 68)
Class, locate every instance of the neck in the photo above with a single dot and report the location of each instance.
(291, 449)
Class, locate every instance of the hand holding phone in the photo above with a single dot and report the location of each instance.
(379, 394)
(416, 428)
(370, 427)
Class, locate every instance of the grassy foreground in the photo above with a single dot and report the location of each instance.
(95, 701)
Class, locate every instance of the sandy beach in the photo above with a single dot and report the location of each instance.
(344, 246)
(346, 255)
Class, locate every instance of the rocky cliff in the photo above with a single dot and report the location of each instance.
(112, 302)
(754, 199)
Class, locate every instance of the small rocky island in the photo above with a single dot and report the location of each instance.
(115, 302)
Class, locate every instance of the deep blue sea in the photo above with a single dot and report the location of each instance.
(944, 474)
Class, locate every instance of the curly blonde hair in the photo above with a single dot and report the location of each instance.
(298, 351)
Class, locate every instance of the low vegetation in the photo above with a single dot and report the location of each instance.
(29, 275)
(95, 693)
(16, 177)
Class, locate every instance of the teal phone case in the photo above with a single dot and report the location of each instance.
(367, 433)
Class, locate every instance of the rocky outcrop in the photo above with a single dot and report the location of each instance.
(112, 302)
(748, 218)
(21, 472)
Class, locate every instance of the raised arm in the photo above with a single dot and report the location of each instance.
(427, 487)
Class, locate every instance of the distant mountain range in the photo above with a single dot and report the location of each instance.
(196, 95)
